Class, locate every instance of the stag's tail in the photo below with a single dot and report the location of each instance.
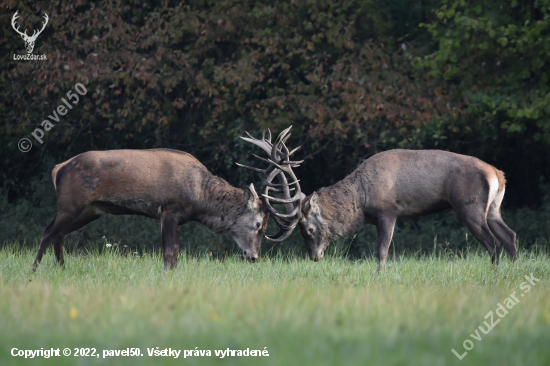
(54, 175)
(501, 180)
(497, 186)
(55, 170)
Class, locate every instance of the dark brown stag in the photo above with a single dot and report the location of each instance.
(169, 185)
(400, 184)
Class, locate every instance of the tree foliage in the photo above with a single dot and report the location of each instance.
(497, 55)
(353, 77)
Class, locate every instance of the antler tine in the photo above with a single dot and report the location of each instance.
(285, 230)
(281, 224)
(274, 238)
(273, 154)
(284, 140)
(281, 236)
(281, 190)
(261, 171)
(284, 216)
(291, 162)
(290, 153)
(281, 218)
(281, 185)
(262, 159)
(277, 165)
(278, 142)
(261, 144)
(282, 200)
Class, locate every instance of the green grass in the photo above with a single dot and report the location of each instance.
(332, 312)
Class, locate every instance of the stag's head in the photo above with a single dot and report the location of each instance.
(314, 227)
(279, 166)
(29, 40)
(250, 225)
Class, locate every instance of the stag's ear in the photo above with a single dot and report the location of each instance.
(251, 197)
(311, 206)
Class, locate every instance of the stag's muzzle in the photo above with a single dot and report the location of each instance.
(249, 256)
(317, 256)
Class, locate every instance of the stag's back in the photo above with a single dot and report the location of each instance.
(418, 182)
(137, 180)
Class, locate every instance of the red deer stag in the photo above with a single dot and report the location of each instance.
(169, 185)
(401, 184)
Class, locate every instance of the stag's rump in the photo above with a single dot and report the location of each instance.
(418, 182)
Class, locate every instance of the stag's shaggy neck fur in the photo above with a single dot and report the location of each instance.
(222, 205)
(341, 208)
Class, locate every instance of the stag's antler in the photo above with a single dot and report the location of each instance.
(279, 165)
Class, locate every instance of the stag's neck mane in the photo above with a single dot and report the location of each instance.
(221, 205)
(341, 208)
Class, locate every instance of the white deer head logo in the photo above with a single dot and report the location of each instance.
(29, 41)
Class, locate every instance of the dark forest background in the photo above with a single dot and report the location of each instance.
(353, 77)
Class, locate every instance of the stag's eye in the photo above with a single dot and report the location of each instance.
(310, 231)
(258, 225)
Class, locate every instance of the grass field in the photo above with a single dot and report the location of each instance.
(334, 312)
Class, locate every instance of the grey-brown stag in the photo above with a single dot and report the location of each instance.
(169, 185)
(401, 184)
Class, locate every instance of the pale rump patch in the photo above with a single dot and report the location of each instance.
(496, 195)
(493, 188)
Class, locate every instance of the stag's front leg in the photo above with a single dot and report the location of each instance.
(170, 240)
(176, 248)
(384, 229)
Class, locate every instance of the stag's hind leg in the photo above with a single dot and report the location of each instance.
(60, 227)
(58, 249)
(499, 228)
(50, 234)
(481, 231)
(87, 216)
(470, 198)
(506, 235)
